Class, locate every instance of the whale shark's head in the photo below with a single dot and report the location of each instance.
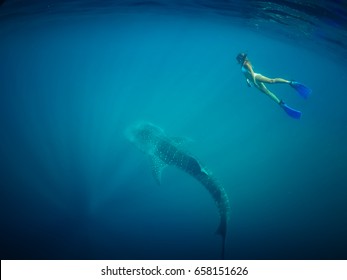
(144, 135)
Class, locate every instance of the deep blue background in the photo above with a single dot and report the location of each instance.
(73, 187)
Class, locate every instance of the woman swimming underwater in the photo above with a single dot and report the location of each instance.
(259, 81)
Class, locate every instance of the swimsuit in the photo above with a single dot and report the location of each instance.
(248, 74)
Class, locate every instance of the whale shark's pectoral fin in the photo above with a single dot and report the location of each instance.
(157, 167)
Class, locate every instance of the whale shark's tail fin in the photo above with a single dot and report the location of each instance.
(223, 248)
(222, 229)
(221, 199)
(223, 245)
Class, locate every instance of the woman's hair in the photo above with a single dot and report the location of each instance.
(241, 57)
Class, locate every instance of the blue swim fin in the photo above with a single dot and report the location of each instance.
(303, 90)
(290, 111)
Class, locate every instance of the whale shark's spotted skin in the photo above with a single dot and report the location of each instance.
(164, 151)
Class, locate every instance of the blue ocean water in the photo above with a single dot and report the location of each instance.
(76, 74)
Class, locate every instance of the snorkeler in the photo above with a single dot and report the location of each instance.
(258, 81)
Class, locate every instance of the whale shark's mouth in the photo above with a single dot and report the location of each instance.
(130, 134)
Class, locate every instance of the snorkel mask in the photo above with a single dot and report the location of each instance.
(241, 57)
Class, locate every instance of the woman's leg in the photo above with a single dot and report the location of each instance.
(264, 89)
(264, 79)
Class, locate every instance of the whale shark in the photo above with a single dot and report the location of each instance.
(167, 151)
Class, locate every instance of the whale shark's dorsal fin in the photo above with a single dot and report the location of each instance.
(157, 167)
